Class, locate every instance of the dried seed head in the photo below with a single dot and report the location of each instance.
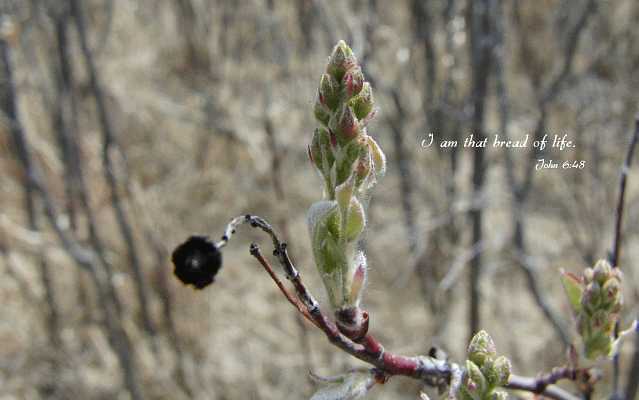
(197, 261)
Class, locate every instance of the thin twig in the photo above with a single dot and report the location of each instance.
(255, 252)
(109, 143)
(531, 385)
(631, 388)
(616, 242)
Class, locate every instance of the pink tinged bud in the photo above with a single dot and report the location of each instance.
(481, 348)
(352, 82)
(359, 279)
(341, 60)
(348, 124)
(333, 138)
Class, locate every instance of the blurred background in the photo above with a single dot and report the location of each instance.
(129, 125)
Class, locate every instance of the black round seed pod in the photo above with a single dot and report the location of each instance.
(197, 261)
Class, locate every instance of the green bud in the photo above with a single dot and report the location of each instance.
(476, 380)
(597, 345)
(349, 162)
(321, 150)
(602, 271)
(498, 372)
(591, 298)
(364, 102)
(321, 112)
(329, 91)
(481, 348)
(611, 292)
(346, 159)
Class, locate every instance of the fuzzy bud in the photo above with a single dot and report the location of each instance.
(321, 112)
(596, 299)
(364, 102)
(341, 60)
(481, 348)
(352, 82)
(498, 372)
(476, 380)
(347, 124)
(602, 271)
(329, 91)
(349, 164)
(320, 150)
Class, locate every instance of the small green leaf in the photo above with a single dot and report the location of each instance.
(356, 221)
(574, 289)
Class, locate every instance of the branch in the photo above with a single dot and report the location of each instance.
(431, 371)
(533, 385)
(434, 372)
(616, 243)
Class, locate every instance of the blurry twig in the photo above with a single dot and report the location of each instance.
(396, 124)
(108, 169)
(480, 31)
(518, 199)
(633, 380)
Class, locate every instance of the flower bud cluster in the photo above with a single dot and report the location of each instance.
(349, 162)
(596, 300)
(485, 371)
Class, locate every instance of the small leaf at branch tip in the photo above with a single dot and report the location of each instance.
(344, 193)
(355, 222)
(379, 158)
(574, 290)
